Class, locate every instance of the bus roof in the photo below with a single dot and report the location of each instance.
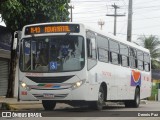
(131, 44)
(49, 23)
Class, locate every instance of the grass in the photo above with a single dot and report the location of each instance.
(154, 92)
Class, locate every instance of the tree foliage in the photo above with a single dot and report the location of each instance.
(17, 13)
(153, 44)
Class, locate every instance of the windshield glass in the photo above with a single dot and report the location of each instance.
(52, 54)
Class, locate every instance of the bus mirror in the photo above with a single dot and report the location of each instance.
(15, 40)
(17, 37)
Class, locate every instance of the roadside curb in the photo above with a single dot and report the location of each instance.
(143, 102)
(6, 106)
(19, 106)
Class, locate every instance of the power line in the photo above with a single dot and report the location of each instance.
(124, 3)
(138, 34)
(147, 18)
(89, 1)
(89, 17)
(155, 26)
(156, 17)
(151, 10)
(137, 11)
(146, 2)
(91, 7)
(122, 28)
(101, 10)
(91, 12)
(147, 7)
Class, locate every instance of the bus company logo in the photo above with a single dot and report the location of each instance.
(135, 78)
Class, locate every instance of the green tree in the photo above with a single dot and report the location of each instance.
(153, 44)
(17, 13)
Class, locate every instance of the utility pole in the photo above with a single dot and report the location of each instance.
(71, 7)
(115, 17)
(101, 23)
(129, 27)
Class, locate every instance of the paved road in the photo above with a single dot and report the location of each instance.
(115, 112)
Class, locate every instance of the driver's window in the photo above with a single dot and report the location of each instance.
(27, 55)
(33, 55)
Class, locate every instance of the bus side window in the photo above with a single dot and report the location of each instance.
(132, 58)
(146, 62)
(114, 52)
(103, 49)
(140, 64)
(124, 52)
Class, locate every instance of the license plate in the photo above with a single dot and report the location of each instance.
(47, 95)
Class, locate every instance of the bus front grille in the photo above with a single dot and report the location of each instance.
(58, 79)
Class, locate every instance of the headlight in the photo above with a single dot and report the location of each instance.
(23, 85)
(77, 84)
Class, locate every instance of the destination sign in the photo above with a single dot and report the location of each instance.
(54, 28)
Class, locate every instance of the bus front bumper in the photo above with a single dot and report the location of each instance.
(84, 92)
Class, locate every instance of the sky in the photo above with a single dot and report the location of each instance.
(146, 16)
(145, 19)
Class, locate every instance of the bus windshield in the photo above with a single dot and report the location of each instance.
(52, 54)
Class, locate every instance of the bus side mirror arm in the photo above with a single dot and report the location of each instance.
(15, 44)
(15, 40)
(17, 37)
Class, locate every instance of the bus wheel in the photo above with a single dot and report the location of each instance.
(136, 100)
(134, 103)
(98, 105)
(48, 104)
(128, 104)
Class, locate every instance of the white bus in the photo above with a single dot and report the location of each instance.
(70, 63)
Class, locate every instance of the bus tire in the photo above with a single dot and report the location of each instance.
(136, 100)
(128, 104)
(48, 104)
(134, 103)
(98, 105)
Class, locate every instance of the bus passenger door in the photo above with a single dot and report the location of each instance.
(91, 56)
(91, 65)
